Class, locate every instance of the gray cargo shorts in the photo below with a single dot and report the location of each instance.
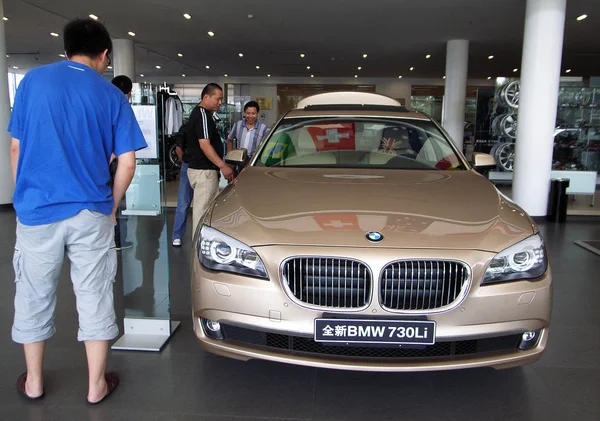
(88, 241)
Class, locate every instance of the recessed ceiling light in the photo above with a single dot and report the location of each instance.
(158, 67)
(211, 33)
(54, 34)
(180, 55)
(399, 77)
(257, 67)
(355, 75)
(444, 77)
(515, 70)
(132, 34)
(582, 17)
(307, 67)
(7, 56)
(94, 17)
(208, 67)
(302, 55)
(489, 77)
(568, 71)
(365, 55)
(428, 56)
(4, 18)
(411, 69)
(183, 75)
(312, 75)
(225, 75)
(269, 75)
(109, 67)
(359, 68)
(187, 16)
(142, 75)
(15, 67)
(241, 54)
(490, 57)
(250, 16)
(60, 55)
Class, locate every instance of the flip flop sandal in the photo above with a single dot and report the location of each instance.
(112, 381)
(21, 388)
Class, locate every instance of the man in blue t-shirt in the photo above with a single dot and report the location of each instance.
(66, 122)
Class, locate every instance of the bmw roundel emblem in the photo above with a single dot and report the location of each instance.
(375, 237)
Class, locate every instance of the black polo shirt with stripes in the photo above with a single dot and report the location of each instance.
(202, 126)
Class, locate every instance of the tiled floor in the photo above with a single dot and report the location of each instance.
(182, 383)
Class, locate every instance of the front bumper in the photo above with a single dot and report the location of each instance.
(261, 321)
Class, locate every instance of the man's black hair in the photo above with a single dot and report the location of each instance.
(252, 104)
(86, 37)
(123, 83)
(210, 90)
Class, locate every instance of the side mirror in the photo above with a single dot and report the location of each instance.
(483, 162)
(237, 157)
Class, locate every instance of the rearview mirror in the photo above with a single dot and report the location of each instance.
(237, 157)
(483, 162)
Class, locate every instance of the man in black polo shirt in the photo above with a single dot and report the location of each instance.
(205, 151)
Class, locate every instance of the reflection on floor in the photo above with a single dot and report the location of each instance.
(183, 383)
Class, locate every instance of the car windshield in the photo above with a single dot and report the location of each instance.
(349, 142)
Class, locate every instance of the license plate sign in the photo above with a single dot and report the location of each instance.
(362, 331)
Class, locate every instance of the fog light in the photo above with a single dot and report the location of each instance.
(529, 339)
(212, 329)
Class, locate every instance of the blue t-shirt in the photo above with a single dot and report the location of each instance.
(68, 120)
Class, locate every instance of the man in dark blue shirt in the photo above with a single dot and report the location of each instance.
(66, 123)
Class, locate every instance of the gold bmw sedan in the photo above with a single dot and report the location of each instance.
(359, 238)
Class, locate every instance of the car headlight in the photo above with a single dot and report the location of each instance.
(525, 260)
(218, 251)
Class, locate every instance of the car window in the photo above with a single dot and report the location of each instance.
(359, 143)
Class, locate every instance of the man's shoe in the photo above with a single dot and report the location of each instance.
(177, 242)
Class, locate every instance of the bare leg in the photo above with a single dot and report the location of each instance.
(34, 357)
(97, 354)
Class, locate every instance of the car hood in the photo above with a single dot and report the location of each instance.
(338, 207)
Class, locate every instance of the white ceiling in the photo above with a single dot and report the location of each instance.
(333, 34)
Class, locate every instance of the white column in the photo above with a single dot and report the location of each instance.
(457, 62)
(540, 74)
(124, 58)
(6, 181)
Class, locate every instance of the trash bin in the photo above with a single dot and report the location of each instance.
(557, 200)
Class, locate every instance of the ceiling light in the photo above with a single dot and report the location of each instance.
(109, 67)
(444, 77)
(515, 70)
(257, 67)
(141, 75)
(187, 16)
(411, 69)
(131, 33)
(428, 56)
(54, 34)
(268, 75)
(94, 17)
(241, 54)
(302, 55)
(208, 67)
(180, 55)
(7, 56)
(365, 55)
(399, 77)
(158, 67)
(4, 18)
(355, 75)
(568, 71)
(225, 75)
(250, 16)
(60, 55)
(211, 33)
(312, 75)
(183, 75)
(15, 67)
(307, 67)
(359, 68)
(489, 77)
(582, 17)
(490, 57)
